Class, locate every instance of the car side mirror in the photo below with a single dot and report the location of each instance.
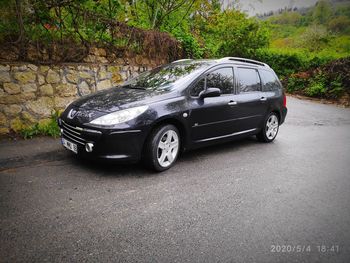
(210, 92)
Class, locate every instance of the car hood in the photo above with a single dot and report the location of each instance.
(119, 98)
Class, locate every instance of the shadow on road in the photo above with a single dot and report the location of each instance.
(110, 168)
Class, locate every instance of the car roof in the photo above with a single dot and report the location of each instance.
(233, 60)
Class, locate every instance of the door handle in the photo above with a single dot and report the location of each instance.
(232, 102)
(263, 99)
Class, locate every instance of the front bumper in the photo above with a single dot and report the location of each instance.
(122, 145)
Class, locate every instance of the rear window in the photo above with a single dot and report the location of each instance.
(270, 81)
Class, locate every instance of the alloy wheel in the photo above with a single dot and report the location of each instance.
(272, 127)
(168, 148)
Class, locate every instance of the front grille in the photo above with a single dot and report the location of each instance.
(72, 133)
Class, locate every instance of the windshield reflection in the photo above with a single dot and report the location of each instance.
(164, 77)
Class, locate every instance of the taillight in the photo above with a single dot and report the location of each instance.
(284, 100)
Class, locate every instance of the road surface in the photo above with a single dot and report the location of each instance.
(288, 201)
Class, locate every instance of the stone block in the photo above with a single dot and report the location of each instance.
(3, 119)
(25, 77)
(83, 89)
(62, 103)
(52, 77)
(104, 84)
(46, 90)
(12, 110)
(28, 118)
(44, 69)
(31, 87)
(33, 67)
(42, 106)
(4, 131)
(66, 90)
(5, 76)
(4, 68)
(41, 79)
(12, 88)
(85, 75)
(72, 77)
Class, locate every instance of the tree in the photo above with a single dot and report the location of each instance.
(231, 33)
(339, 24)
(315, 37)
(322, 12)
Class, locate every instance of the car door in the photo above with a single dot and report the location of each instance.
(251, 102)
(211, 117)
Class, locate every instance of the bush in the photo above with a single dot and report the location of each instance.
(49, 128)
(295, 84)
(339, 24)
(328, 81)
(287, 63)
(191, 47)
(316, 89)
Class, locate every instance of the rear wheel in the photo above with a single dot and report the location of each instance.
(271, 126)
(162, 148)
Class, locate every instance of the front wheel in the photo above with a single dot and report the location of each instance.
(162, 148)
(270, 129)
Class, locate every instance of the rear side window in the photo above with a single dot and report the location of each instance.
(221, 78)
(248, 80)
(270, 82)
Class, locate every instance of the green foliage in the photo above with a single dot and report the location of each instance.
(315, 38)
(287, 18)
(336, 88)
(192, 48)
(289, 62)
(296, 84)
(322, 82)
(315, 90)
(322, 12)
(317, 86)
(339, 24)
(49, 128)
(232, 33)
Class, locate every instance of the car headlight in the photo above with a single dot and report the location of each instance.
(119, 116)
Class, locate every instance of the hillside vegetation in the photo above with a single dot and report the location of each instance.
(316, 45)
(290, 40)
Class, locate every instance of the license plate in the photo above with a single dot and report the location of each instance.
(69, 145)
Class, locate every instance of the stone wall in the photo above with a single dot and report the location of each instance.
(30, 93)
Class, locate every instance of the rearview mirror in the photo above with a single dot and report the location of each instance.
(210, 92)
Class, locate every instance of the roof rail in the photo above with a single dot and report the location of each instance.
(180, 60)
(245, 60)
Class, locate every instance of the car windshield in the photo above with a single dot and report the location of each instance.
(164, 77)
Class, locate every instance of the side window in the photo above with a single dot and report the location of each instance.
(269, 80)
(249, 80)
(221, 78)
(198, 88)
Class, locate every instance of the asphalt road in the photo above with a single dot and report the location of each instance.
(239, 202)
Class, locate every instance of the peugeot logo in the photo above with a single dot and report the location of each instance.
(72, 113)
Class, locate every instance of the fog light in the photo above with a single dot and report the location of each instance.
(88, 147)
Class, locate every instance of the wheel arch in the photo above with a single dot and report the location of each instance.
(177, 123)
(278, 113)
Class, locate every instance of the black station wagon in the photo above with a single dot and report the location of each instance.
(179, 106)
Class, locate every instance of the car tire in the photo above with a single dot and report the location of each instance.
(270, 128)
(162, 148)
